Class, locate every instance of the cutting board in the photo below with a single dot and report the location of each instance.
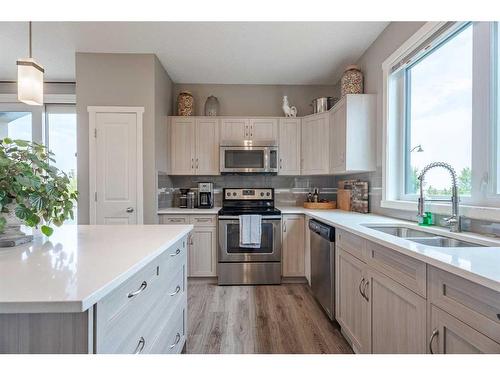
(344, 199)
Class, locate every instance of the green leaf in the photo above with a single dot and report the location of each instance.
(22, 212)
(36, 201)
(47, 230)
(3, 222)
(21, 143)
(7, 140)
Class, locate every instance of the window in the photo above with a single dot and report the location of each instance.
(438, 106)
(60, 138)
(442, 103)
(15, 125)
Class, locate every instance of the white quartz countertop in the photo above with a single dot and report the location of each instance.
(188, 211)
(478, 264)
(78, 265)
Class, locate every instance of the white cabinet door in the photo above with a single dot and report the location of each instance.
(338, 138)
(293, 246)
(182, 146)
(263, 129)
(448, 335)
(115, 168)
(352, 309)
(398, 317)
(289, 146)
(315, 145)
(207, 146)
(236, 129)
(202, 256)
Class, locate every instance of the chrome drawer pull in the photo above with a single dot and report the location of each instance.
(140, 346)
(203, 220)
(141, 288)
(177, 252)
(431, 339)
(177, 339)
(177, 290)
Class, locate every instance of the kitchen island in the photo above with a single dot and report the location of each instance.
(96, 289)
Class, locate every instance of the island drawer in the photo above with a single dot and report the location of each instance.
(174, 257)
(203, 220)
(351, 243)
(137, 328)
(407, 271)
(174, 219)
(172, 335)
(474, 304)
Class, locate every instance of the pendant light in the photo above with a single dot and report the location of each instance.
(29, 79)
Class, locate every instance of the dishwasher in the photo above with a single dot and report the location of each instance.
(323, 265)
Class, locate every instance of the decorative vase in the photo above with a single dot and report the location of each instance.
(352, 81)
(12, 234)
(212, 106)
(185, 104)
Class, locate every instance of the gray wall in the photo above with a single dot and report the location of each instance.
(256, 100)
(122, 80)
(388, 41)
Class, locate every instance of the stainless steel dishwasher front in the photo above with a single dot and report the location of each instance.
(323, 265)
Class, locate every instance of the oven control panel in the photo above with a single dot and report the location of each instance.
(248, 194)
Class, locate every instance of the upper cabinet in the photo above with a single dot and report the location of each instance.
(234, 129)
(255, 129)
(289, 146)
(263, 129)
(315, 144)
(352, 134)
(194, 146)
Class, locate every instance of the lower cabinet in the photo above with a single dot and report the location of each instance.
(398, 316)
(202, 243)
(448, 335)
(293, 257)
(352, 307)
(202, 253)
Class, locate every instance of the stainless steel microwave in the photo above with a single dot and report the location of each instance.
(249, 157)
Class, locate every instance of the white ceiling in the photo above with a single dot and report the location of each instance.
(199, 52)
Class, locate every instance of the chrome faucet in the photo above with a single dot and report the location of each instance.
(454, 222)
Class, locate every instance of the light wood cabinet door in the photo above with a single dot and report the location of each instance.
(315, 145)
(207, 147)
(448, 335)
(182, 146)
(398, 317)
(289, 146)
(236, 129)
(202, 255)
(263, 129)
(352, 309)
(293, 246)
(338, 138)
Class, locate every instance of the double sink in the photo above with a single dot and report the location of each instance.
(422, 237)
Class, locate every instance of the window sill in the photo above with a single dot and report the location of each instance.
(472, 212)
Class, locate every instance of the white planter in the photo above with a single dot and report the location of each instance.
(12, 233)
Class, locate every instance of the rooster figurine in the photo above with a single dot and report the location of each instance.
(289, 111)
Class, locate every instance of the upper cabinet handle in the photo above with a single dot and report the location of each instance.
(141, 288)
(361, 287)
(364, 290)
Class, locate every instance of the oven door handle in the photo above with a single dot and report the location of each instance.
(264, 218)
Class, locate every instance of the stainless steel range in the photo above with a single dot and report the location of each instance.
(238, 264)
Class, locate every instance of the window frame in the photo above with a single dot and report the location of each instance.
(485, 204)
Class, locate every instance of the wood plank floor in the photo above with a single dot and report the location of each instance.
(258, 319)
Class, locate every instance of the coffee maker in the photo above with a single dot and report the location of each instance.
(205, 194)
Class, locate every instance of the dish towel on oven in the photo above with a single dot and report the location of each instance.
(250, 231)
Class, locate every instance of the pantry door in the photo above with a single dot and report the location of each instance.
(115, 165)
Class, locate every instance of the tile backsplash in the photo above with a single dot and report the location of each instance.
(289, 190)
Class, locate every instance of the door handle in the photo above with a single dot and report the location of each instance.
(361, 287)
(140, 346)
(177, 290)
(434, 333)
(143, 286)
(130, 209)
(367, 283)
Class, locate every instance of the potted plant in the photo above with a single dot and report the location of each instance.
(32, 191)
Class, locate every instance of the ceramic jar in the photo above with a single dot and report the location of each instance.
(352, 81)
(185, 104)
(212, 106)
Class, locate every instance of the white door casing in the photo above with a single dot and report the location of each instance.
(115, 165)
